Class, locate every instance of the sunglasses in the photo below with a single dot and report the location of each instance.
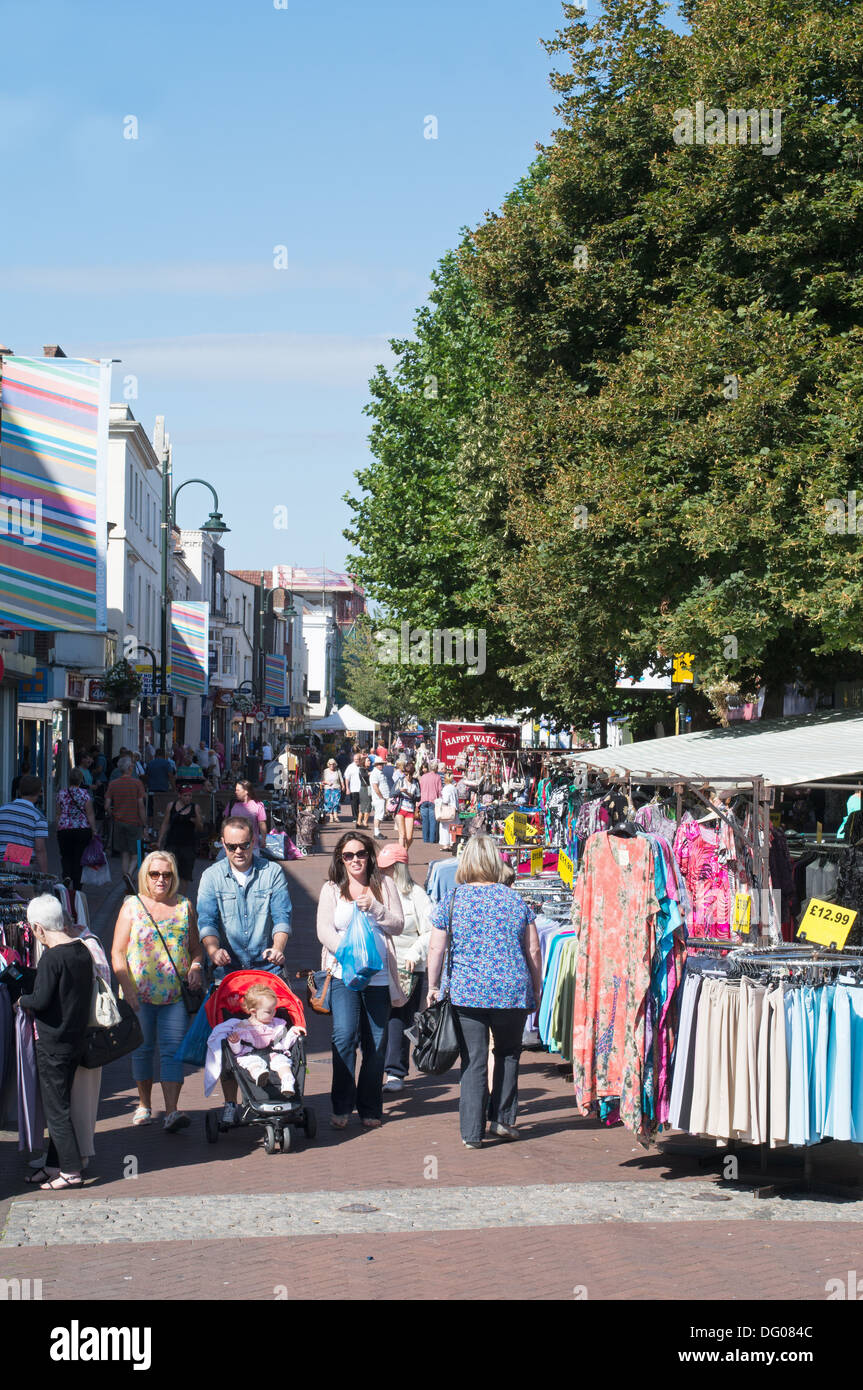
(159, 873)
(359, 854)
(237, 845)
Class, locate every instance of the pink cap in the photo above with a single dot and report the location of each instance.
(392, 854)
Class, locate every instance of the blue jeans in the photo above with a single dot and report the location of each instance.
(359, 1019)
(167, 1024)
(430, 829)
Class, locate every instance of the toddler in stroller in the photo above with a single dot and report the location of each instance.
(262, 1030)
(258, 1036)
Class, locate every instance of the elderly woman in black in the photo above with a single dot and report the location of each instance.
(60, 1004)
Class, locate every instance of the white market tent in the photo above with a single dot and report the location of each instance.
(344, 719)
(783, 753)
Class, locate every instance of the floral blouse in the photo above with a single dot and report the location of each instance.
(147, 958)
(489, 951)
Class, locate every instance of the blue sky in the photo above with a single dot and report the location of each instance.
(257, 128)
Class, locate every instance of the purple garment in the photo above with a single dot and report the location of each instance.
(31, 1121)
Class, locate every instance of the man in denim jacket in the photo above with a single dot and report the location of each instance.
(244, 915)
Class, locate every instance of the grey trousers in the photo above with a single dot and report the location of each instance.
(475, 1104)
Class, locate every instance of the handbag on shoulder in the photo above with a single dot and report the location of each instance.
(438, 1039)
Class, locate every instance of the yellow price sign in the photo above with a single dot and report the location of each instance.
(682, 672)
(742, 913)
(826, 924)
(515, 827)
(536, 861)
(565, 867)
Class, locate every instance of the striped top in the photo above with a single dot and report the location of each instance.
(21, 823)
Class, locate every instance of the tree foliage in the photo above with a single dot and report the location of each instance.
(653, 369)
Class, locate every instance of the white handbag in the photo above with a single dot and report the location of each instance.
(104, 1012)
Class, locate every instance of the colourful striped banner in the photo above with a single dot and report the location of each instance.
(190, 640)
(275, 680)
(54, 420)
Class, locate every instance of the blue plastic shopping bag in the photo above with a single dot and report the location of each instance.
(193, 1048)
(358, 954)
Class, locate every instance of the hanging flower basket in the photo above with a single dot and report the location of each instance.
(121, 684)
(243, 704)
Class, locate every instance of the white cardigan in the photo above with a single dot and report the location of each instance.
(388, 917)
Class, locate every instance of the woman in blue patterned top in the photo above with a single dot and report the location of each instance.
(496, 982)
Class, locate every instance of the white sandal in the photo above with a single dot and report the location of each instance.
(142, 1116)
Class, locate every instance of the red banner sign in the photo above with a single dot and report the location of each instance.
(452, 738)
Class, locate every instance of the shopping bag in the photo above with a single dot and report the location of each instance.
(94, 853)
(193, 1048)
(96, 877)
(275, 843)
(358, 954)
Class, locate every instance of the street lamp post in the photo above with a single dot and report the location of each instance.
(213, 526)
(254, 693)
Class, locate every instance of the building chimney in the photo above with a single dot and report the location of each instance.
(53, 350)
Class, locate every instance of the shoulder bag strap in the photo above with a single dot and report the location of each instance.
(449, 942)
(163, 941)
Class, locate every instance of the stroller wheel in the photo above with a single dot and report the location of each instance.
(211, 1124)
(270, 1141)
(285, 1139)
(310, 1123)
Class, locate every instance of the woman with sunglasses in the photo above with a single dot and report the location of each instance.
(359, 1017)
(150, 982)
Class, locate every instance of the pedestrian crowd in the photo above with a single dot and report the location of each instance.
(479, 943)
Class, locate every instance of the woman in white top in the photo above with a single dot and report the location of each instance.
(449, 797)
(334, 786)
(411, 952)
(359, 1016)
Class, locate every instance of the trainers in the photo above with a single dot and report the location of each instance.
(176, 1120)
(468, 1145)
(229, 1114)
(505, 1131)
(393, 1083)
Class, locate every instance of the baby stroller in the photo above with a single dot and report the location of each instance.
(258, 1105)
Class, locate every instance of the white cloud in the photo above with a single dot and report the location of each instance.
(203, 277)
(323, 359)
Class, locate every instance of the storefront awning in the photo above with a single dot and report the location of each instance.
(813, 748)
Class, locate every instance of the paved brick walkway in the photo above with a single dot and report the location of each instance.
(641, 1258)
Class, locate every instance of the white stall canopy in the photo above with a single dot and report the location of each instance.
(784, 752)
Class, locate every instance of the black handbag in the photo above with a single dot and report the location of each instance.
(104, 1045)
(438, 1038)
(192, 998)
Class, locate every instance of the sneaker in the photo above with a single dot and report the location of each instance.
(504, 1131)
(176, 1120)
(469, 1145)
(393, 1083)
(229, 1114)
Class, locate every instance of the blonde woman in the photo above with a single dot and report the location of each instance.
(496, 982)
(411, 953)
(145, 968)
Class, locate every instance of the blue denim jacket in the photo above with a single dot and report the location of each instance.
(244, 919)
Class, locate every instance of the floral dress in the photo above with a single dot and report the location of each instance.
(614, 913)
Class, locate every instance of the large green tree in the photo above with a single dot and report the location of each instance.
(680, 325)
(649, 375)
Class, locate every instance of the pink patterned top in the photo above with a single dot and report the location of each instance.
(696, 849)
